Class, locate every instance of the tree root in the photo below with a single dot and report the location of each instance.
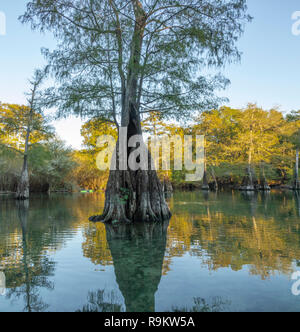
(143, 201)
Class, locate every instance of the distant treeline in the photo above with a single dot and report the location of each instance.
(246, 147)
(239, 144)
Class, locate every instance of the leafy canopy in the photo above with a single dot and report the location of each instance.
(14, 122)
(168, 44)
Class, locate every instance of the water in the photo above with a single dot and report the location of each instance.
(220, 252)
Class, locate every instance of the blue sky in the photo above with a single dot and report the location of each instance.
(269, 72)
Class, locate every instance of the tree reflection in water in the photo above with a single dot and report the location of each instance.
(101, 302)
(297, 202)
(201, 305)
(138, 254)
(258, 233)
(238, 230)
(34, 272)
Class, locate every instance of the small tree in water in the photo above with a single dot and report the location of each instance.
(121, 59)
(23, 127)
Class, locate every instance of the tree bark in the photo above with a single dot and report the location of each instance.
(248, 183)
(167, 187)
(216, 186)
(134, 196)
(23, 185)
(263, 185)
(205, 185)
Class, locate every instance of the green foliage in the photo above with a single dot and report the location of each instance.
(14, 121)
(124, 196)
(49, 160)
(227, 132)
(294, 128)
(51, 164)
(236, 138)
(86, 174)
(160, 47)
(95, 128)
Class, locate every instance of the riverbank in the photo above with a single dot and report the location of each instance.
(193, 186)
(184, 186)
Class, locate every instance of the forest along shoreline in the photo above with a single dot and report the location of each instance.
(247, 149)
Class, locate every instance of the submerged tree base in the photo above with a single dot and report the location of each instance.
(134, 196)
(265, 187)
(247, 188)
(23, 188)
(205, 185)
(296, 186)
(249, 182)
(22, 198)
(205, 188)
(167, 187)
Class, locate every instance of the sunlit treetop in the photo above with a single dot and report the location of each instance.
(14, 122)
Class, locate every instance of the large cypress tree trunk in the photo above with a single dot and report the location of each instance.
(133, 196)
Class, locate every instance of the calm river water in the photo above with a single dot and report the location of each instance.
(220, 252)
